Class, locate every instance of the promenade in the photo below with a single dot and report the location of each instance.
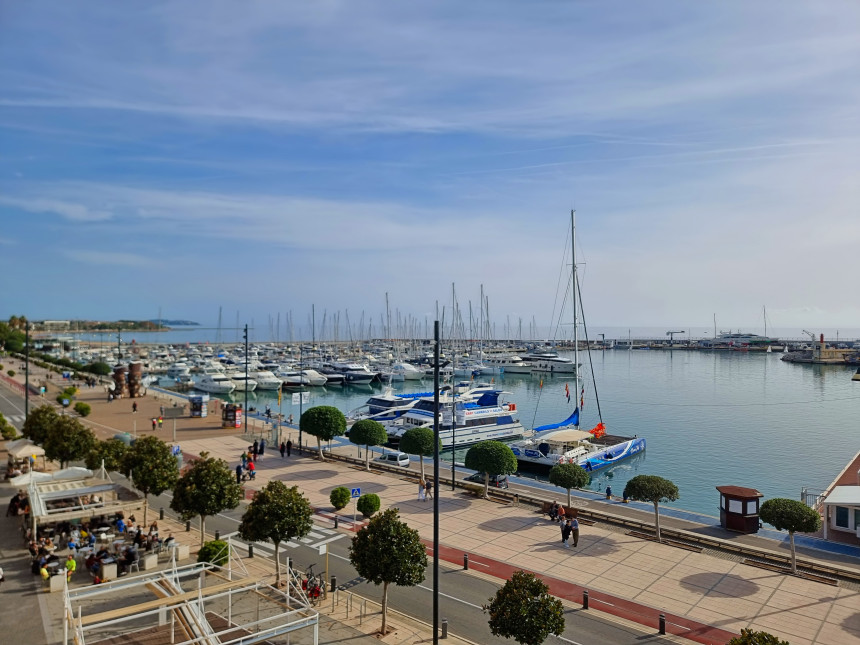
(706, 597)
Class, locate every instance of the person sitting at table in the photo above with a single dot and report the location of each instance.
(43, 570)
(138, 537)
(92, 564)
(33, 548)
(129, 556)
(102, 553)
(120, 525)
(170, 540)
(49, 544)
(71, 567)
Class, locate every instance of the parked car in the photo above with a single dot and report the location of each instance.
(498, 481)
(395, 459)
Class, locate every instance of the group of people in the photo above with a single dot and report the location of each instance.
(569, 525)
(425, 489)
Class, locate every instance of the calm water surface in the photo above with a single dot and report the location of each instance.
(710, 418)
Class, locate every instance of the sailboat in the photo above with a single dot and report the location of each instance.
(565, 442)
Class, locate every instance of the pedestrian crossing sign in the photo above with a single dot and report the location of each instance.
(356, 492)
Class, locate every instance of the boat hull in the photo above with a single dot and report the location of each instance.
(603, 458)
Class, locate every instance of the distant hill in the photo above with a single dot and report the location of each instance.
(175, 323)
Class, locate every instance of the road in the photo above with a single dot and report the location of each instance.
(461, 593)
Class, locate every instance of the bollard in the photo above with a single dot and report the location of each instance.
(662, 623)
(336, 518)
(444, 628)
(585, 599)
(466, 561)
(187, 525)
(161, 513)
(217, 534)
(516, 499)
(289, 564)
(250, 550)
(333, 583)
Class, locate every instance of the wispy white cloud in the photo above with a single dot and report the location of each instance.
(73, 211)
(107, 258)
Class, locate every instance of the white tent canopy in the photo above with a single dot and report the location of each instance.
(27, 478)
(21, 448)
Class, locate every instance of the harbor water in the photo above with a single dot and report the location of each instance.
(709, 418)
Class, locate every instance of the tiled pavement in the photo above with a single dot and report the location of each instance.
(694, 586)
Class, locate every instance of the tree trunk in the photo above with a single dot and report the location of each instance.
(657, 520)
(145, 507)
(319, 446)
(202, 528)
(421, 457)
(277, 566)
(793, 554)
(367, 458)
(486, 484)
(568, 498)
(384, 607)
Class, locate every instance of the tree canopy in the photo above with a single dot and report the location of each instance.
(39, 423)
(68, 440)
(152, 466)
(367, 432)
(523, 609)
(491, 458)
(207, 488)
(569, 476)
(654, 489)
(751, 637)
(419, 441)
(323, 422)
(112, 451)
(386, 551)
(790, 515)
(279, 514)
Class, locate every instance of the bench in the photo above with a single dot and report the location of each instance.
(569, 511)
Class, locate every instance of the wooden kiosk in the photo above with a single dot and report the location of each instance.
(739, 508)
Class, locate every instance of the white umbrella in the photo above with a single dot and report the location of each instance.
(73, 472)
(28, 478)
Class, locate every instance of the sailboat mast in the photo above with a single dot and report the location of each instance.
(575, 312)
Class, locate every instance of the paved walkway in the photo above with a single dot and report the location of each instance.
(699, 590)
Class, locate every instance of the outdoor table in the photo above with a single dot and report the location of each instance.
(53, 568)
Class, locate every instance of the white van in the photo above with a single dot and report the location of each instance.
(395, 459)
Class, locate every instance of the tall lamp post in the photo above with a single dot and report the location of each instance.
(301, 390)
(27, 370)
(246, 379)
(436, 482)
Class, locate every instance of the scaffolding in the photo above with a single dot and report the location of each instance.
(199, 603)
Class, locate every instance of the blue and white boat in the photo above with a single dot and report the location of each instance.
(387, 406)
(564, 442)
(478, 415)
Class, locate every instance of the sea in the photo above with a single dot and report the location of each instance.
(709, 418)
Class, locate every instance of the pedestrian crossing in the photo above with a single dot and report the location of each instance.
(318, 536)
(16, 420)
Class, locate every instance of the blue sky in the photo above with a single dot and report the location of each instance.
(266, 156)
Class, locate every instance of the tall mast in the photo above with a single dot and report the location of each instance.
(575, 312)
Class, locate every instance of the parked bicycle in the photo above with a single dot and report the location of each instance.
(312, 585)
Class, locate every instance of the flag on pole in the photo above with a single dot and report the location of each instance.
(567, 392)
(598, 431)
(279, 397)
(582, 398)
(541, 384)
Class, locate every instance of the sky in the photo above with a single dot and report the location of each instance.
(264, 157)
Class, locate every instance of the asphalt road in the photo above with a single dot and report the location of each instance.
(461, 593)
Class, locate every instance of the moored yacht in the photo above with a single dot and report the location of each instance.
(265, 380)
(550, 362)
(242, 381)
(215, 384)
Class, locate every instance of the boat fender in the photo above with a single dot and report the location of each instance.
(512, 407)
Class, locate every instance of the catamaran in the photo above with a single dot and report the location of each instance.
(564, 442)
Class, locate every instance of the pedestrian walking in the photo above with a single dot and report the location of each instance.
(290, 420)
(609, 492)
(428, 488)
(561, 513)
(283, 448)
(239, 472)
(161, 410)
(565, 533)
(262, 447)
(160, 422)
(289, 446)
(575, 528)
(71, 567)
(134, 408)
(422, 490)
(154, 423)
(255, 448)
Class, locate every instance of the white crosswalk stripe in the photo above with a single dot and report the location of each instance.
(16, 420)
(320, 535)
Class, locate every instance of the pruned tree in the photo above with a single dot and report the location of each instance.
(112, 451)
(367, 433)
(419, 441)
(323, 422)
(523, 609)
(491, 458)
(751, 637)
(68, 440)
(39, 423)
(7, 430)
(386, 551)
(790, 515)
(654, 489)
(279, 514)
(569, 476)
(207, 488)
(152, 467)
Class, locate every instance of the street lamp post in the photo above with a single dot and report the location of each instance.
(27, 370)
(301, 391)
(436, 482)
(246, 379)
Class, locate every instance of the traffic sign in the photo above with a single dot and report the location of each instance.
(65, 403)
(323, 549)
(356, 492)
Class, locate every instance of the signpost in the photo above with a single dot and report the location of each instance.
(356, 493)
(324, 549)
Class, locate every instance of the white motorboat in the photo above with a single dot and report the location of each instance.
(407, 371)
(507, 364)
(266, 380)
(293, 378)
(546, 361)
(315, 378)
(355, 372)
(215, 384)
(386, 406)
(178, 370)
(242, 381)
